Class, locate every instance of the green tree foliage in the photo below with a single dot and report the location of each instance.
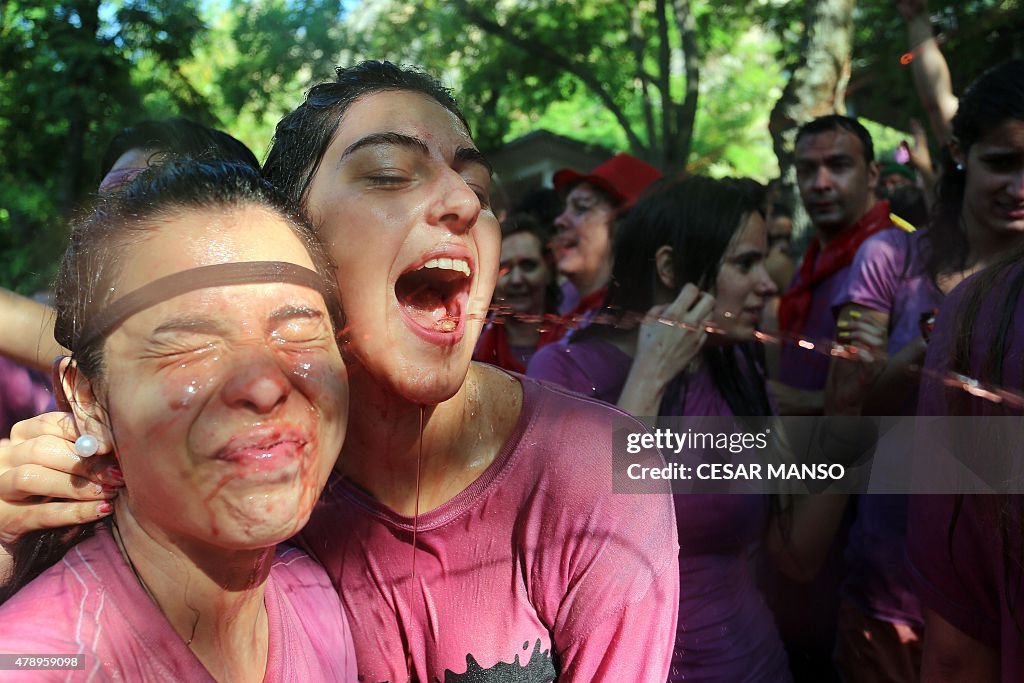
(640, 62)
(72, 74)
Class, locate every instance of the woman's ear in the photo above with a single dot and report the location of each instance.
(664, 267)
(90, 416)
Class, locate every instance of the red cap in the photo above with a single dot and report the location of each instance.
(623, 176)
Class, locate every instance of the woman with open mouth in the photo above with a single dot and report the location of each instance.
(470, 525)
(586, 227)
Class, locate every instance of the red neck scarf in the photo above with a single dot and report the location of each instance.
(819, 264)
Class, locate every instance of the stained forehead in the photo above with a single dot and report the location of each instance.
(830, 143)
(400, 111)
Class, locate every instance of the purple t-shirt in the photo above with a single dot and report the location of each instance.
(967, 587)
(90, 603)
(593, 368)
(888, 275)
(535, 570)
(726, 631)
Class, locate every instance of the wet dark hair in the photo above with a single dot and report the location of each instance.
(92, 263)
(996, 97)
(528, 224)
(177, 137)
(698, 217)
(837, 122)
(303, 136)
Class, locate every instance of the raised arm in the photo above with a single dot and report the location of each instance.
(931, 72)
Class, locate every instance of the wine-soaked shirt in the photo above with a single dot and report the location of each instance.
(535, 571)
(90, 604)
(968, 571)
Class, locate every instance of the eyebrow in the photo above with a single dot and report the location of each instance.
(285, 313)
(385, 139)
(473, 156)
(188, 323)
(462, 154)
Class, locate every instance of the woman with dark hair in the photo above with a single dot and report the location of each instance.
(701, 231)
(897, 280)
(459, 527)
(524, 314)
(212, 375)
(966, 552)
(711, 234)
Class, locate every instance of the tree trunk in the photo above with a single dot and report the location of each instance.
(816, 87)
(677, 150)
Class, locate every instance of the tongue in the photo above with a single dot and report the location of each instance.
(426, 307)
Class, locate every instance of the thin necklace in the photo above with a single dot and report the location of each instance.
(131, 565)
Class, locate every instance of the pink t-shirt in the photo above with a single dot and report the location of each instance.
(535, 570)
(90, 603)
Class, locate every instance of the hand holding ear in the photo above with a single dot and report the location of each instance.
(669, 339)
(673, 334)
(45, 484)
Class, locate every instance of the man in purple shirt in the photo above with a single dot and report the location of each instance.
(837, 174)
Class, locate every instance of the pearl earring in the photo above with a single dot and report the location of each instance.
(86, 445)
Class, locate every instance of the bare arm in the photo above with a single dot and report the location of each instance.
(952, 655)
(921, 158)
(931, 72)
(28, 326)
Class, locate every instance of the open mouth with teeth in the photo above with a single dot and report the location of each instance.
(433, 298)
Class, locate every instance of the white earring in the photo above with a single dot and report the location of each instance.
(86, 445)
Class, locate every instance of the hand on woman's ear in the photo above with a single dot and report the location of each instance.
(90, 416)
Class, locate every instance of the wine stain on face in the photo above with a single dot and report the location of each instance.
(228, 403)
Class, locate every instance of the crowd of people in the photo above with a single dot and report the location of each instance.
(332, 417)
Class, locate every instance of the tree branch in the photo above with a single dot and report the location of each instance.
(665, 74)
(636, 42)
(539, 49)
(686, 115)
